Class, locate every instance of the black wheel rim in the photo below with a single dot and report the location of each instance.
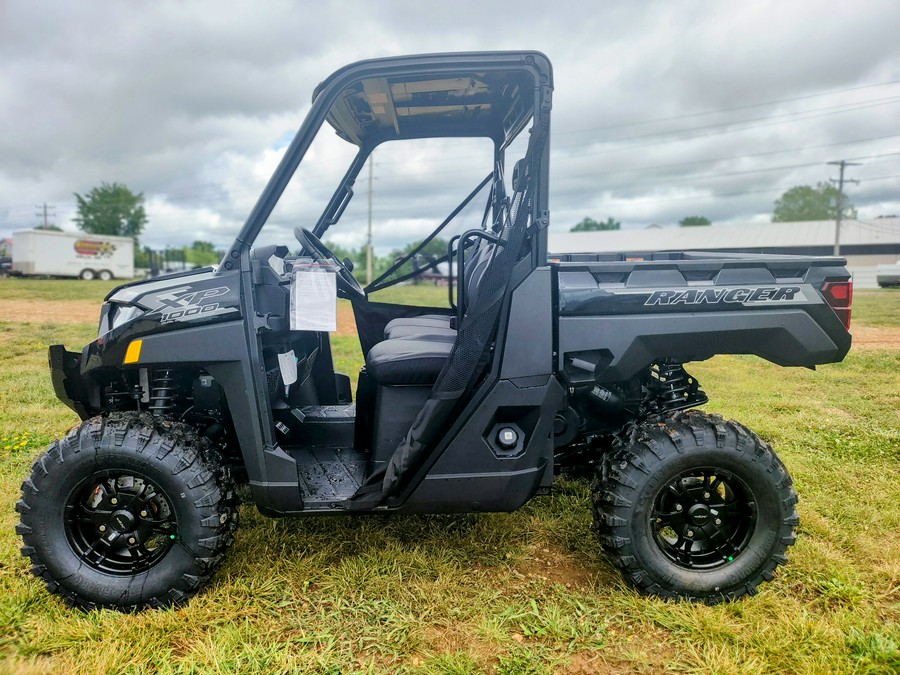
(703, 518)
(120, 523)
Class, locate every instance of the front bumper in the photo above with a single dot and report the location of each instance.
(70, 387)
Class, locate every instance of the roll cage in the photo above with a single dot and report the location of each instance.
(483, 94)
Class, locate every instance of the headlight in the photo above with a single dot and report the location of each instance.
(114, 315)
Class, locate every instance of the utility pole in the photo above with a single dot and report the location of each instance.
(840, 205)
(369, 234)
(45, 212)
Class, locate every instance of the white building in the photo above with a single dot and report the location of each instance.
(864, 243)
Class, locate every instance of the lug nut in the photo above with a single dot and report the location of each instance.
(705, 495)
(690, 533)
(678, 507)
(143, 514)
(102, 528)
(113, 501)
(718, 521)
(131, 540)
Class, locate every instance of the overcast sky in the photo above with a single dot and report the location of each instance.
(661, 109)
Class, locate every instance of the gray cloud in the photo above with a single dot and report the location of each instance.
(191, 103)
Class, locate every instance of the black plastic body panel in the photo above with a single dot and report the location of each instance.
(528, 350)
(170, 304)
(468, 475)
(690, 306)
(395, 410)
(70, 387)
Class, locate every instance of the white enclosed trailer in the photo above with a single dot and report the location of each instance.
(72, 254)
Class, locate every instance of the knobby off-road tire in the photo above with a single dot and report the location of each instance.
(127, 512)
(692, 506)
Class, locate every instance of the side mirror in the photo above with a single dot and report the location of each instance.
(348, 264)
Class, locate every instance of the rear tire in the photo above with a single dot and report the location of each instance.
(127, 512)
(692, 506)
(105, 275)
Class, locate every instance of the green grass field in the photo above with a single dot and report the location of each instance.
(527, 592)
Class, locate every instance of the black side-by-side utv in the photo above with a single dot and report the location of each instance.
(539, 365)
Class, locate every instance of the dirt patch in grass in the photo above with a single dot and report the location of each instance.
(37, 311)
(88, 311)
(457, 638)
(549, 564)
(870, 337)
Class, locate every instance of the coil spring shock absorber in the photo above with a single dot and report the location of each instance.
(672, 380)
(162, 392)
(673, 388)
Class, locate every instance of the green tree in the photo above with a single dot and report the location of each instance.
(202, 253)
(805, 202)
(356, 255)
(49, 228)
(694, 221)
(591, 225)
(111, 209)
(436, 247)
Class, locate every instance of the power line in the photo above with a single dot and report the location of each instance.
(729, 174)
(748, 155)
(731, 109)
(875, 227)
(220, 185)
(715, 131)
(693, 178)
(628, 202)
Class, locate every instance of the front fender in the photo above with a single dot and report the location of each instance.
(76, 391)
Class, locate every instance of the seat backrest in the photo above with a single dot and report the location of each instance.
(476, 265)
(485, 251)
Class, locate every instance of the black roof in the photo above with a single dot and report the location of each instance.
(437, 95)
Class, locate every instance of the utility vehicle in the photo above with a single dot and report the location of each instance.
(539, 365)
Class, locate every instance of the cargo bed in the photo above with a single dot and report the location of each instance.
(690, 306)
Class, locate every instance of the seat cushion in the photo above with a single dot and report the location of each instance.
(412, 361)
(444, 333)
(427, 321)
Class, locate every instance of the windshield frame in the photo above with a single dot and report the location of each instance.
(328, 92)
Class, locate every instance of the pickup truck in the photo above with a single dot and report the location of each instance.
(538, 365)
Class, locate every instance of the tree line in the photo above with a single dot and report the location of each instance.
(113, 209)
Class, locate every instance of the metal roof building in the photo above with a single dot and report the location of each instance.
(865, 244)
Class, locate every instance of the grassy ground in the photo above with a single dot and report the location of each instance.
(877, 307)
(526, 592)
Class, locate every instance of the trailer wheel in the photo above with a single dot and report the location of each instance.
(692, 506)
(127, 512)
(105, 275)
(87, 275)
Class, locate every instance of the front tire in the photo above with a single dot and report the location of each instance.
(692, 506)
(87, 275)
(127, 512)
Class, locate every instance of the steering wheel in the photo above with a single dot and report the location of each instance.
(345, 280)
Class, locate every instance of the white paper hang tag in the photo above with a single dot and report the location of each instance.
(287, 364)
(314, 297)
